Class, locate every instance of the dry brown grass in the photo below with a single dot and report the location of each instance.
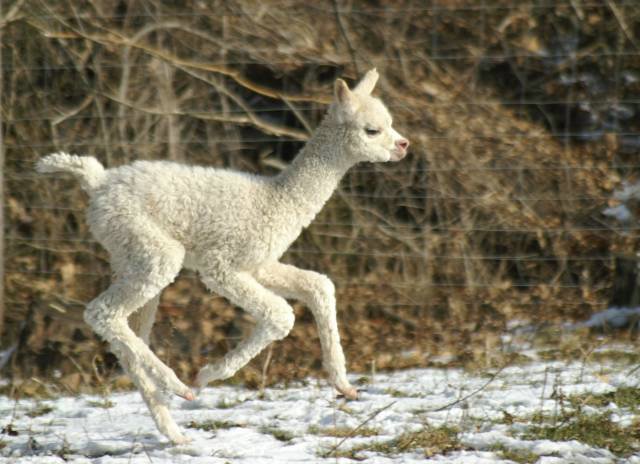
(240, 84)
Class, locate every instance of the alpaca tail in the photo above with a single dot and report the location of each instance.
(86, 168)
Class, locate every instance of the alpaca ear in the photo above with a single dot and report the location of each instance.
(367, 83)
(343, 95)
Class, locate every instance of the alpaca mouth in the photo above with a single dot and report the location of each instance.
(397, 155)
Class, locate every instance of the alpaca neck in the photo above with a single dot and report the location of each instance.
(315, 173)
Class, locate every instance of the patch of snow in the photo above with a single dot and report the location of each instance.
(620, 213)
(5, 355)
(284, 425)
(629, 191)
(612, 318)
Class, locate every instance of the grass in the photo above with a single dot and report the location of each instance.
(400, 394)
(341, 432)
(579, 350)
(39, 410)
(212, 425)
(104, 404)
(623, 397)
(479, 362)
(278, 434)
(625, 357)
(596, 430)
(27, 389)
(521, 456)
(581, 345)
(430, 440)
(573, 422)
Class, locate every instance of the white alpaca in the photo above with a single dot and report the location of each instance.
(155, 217)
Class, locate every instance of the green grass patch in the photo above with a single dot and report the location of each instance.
(558, 354)
(278, 434)
(212, 425)
(553, 345)
(431, 441)
(342, 432)
(478, 363)
(347, 454)
(402, 394)
(104, 404)
(623, 397)
(39, 410)
(521, 456)
(625, 357)
(592, 429)
(438, 440)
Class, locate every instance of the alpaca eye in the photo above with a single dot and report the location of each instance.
(371, 132)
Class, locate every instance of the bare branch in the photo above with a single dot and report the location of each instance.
(11, 15)
(250, 119)
(113, 38)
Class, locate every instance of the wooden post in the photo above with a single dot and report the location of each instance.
(2, 204)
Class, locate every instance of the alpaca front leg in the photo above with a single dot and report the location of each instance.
(237, 358)
(318, 293)
(274, 320)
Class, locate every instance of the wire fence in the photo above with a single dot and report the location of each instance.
(524, 119)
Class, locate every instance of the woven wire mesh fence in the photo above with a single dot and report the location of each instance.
(517, 201)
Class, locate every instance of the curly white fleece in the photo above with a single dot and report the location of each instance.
(155, 217)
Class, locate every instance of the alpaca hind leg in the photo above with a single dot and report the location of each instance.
(318, 293)
(107, 315)
(141, 321)
(274, 320)
(145, 260)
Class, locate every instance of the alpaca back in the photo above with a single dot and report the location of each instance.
(210, 211)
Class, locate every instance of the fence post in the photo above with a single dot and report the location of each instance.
(2, 208)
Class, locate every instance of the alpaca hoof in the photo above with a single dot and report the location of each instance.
(180, 440)
(349, 393)
(189, 396)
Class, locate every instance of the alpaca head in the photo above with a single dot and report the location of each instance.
(367, 122)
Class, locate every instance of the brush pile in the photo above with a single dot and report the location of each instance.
(523, 120)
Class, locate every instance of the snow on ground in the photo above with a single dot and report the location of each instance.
(613, 317)
(289, 425)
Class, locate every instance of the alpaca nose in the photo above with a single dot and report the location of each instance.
(402, 144)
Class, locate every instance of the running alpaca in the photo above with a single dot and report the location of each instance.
(156, 217)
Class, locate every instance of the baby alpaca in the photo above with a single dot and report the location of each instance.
(156, 217)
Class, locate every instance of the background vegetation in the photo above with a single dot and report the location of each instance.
(524, 117)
